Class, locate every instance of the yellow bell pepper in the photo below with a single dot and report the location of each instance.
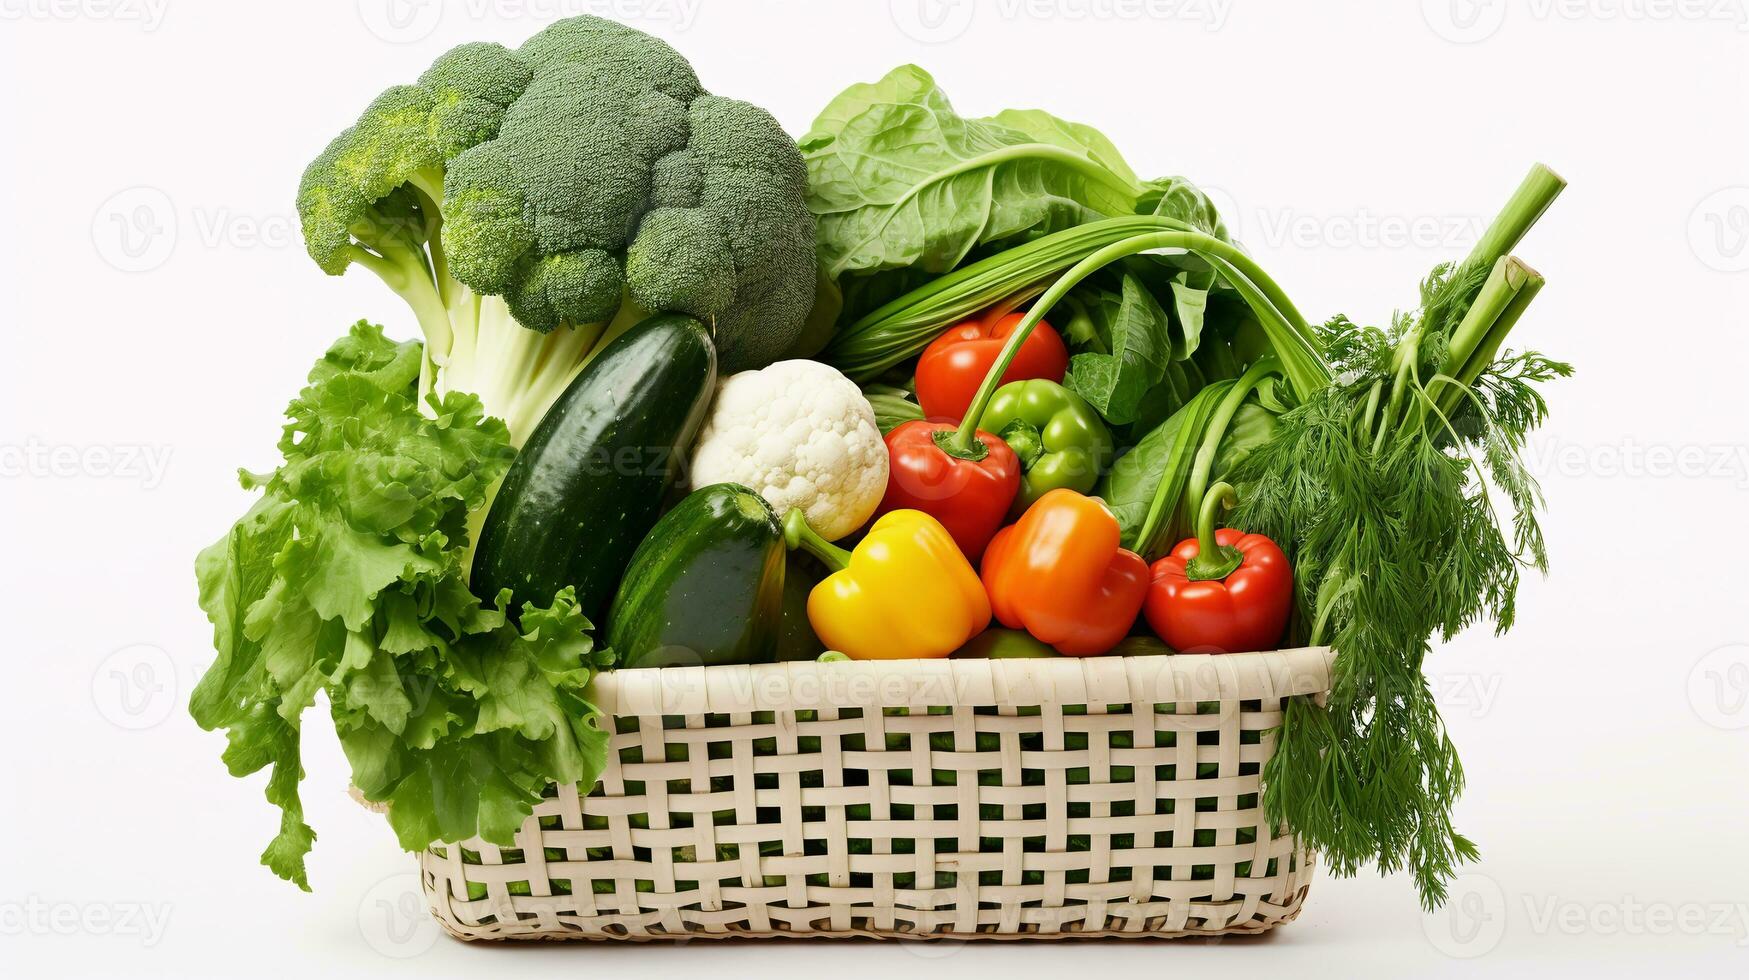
(905, 593)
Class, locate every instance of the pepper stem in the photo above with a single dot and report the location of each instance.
(1024, 438)
(1213, 562)
(797, 533)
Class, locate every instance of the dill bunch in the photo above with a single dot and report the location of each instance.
(1400, 494)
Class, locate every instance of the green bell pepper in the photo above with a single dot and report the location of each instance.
(1060, 439)
(1001, 644)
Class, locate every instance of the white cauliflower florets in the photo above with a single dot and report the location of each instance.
(802, 435)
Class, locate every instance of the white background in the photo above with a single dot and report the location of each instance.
(158, 312)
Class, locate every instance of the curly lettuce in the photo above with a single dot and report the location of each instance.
(347, 577)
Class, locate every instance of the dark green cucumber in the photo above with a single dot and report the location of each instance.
(705, 587)
(589, 483)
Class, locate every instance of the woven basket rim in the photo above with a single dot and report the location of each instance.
(1047, 682)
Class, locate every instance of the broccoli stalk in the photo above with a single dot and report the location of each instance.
(473, 342)
(530, 205)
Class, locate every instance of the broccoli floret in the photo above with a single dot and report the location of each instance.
(735, 186)
(530, 204)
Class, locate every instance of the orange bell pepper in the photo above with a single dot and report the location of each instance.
(1061, 574)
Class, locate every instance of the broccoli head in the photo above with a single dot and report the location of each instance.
(565, 187)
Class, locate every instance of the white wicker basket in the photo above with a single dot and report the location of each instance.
(915, 799)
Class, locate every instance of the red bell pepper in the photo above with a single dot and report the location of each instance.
(1222, 591)
(969, 496)
(1061, 575)
(962, 477)
(954, 365)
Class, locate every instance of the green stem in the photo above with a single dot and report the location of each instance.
(1213, 562)
(1306, 368)
(1168, 498)
(428, 187)
(797, 533)
(1486, 351)
(1527, 204)
(1505, 280)
(407, 273)
(1370, 413)
(1404, 358)
(1220, 420)
(1024, 438)
(1250, 281)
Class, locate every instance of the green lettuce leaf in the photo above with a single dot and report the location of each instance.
(1132, 343)
(346, 578)
(898, 179)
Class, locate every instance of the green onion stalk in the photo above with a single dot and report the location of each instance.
(901, 329)
(1478, 337)
(1294, 342)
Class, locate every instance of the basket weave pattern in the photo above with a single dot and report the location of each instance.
(968, 799)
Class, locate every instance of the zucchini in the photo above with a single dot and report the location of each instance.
(705, 587)
(590, 481)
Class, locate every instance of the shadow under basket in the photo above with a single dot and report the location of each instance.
(962, 799)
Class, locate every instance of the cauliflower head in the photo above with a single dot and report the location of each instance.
(803, 436)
